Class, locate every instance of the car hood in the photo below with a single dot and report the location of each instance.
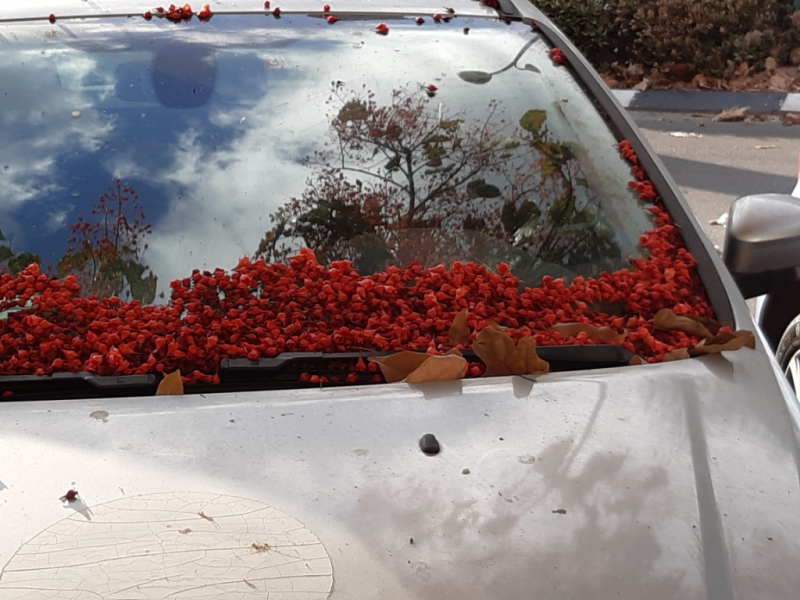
(14, 9)
(676, 480)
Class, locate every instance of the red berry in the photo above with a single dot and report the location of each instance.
(70, 496)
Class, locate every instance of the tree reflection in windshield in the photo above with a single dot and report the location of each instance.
(104, 251)
(398, 182)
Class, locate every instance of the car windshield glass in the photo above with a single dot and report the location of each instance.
(249, 186)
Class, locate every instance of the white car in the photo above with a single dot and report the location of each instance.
(276, 201)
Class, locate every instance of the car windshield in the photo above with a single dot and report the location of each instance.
(177, 195)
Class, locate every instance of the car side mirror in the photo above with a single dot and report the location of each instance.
(762, 243)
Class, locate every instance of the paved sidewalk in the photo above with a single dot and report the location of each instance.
(708, 101)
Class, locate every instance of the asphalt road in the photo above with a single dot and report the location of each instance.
(728, 160)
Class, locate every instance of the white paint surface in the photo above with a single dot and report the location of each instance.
(159, 546)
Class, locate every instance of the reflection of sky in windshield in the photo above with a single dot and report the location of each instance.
(209, 176)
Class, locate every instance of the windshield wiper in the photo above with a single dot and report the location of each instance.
(282, 372)
(286, 367)
(76, 385)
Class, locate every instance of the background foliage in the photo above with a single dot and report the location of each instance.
(680, 38)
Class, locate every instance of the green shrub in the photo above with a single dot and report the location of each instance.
(701, 36)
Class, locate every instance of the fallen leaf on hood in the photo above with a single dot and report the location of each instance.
(400, 365)
(496, 325)
(731, 114)
(439, 368)
(724, 340)
(710, 324)
(171, 385)
(598, 334)
(668, 321)
(502, 357)
(459, 331)
(418, 367)
(677, 354)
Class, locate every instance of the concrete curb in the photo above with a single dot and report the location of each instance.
(707, 101)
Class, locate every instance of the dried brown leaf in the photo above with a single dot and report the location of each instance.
(418, 367)
(439, 368)
(781, 82)
(496, 325)
(677, 354)
(710, 324)
(790, 118)
(502, 357)
(743, 69)
(770, 64)
(598, 334)
(171, 385)
(459, 331)
(610, 81)
(668, 321)
(724, 340)
(397, 367)
(731, 114)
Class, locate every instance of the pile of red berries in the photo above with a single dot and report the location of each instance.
(557, 56)
(261, 310)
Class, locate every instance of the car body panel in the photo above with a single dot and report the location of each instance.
(70, 8)
(659, 480)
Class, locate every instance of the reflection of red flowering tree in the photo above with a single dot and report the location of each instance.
(13, 262)
(104, 251)
(397, 182)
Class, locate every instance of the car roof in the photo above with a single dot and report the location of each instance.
(33, 9)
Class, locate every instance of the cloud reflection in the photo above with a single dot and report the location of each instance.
(211, 176)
